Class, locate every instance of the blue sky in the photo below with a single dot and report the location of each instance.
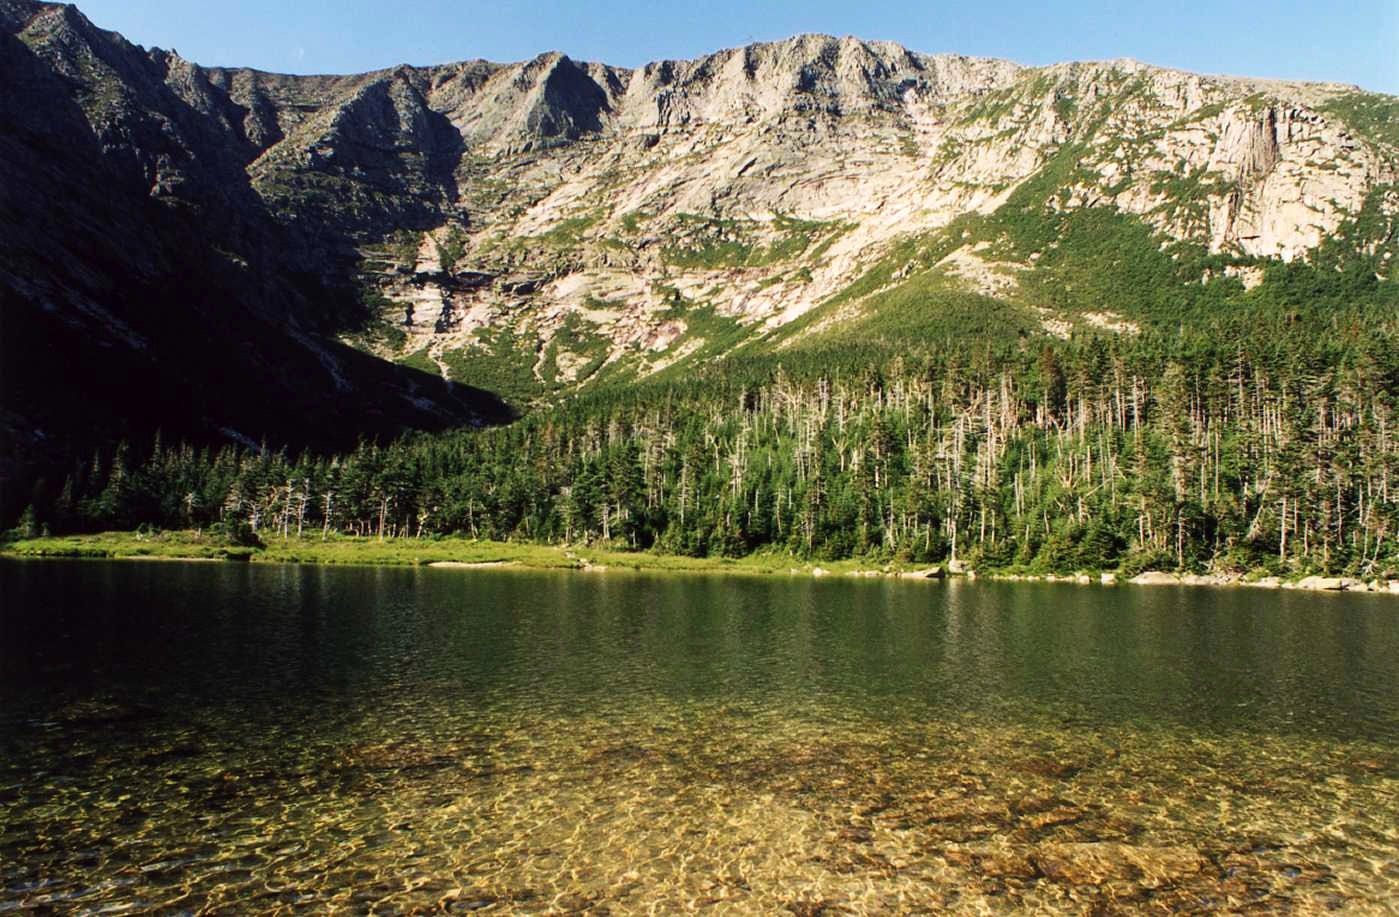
(1352, 42)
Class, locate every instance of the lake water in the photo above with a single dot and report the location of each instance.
(264, 738)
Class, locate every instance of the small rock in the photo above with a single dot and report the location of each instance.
(468, 904)
(572, 903)
(1155, 578)
(807, 908)
(1108, 579)
(1050, 767)
(856, 834)
(956, 856)
(1054, 818)
(1003, 864)
(1029, 805)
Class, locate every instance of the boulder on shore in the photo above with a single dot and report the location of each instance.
(930, 573)
(1320, 584)
(1155, 578)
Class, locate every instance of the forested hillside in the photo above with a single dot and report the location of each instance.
(1271, 449)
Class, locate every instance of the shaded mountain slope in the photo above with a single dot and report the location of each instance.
(145, 284)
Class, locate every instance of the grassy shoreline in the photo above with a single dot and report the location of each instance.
(450, 551)
(468, 553)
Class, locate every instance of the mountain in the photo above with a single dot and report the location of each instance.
(144, 281)
(227, 253)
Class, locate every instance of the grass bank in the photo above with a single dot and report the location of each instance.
(454, 550)
(339, 549)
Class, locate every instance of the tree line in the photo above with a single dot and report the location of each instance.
(1101, 452)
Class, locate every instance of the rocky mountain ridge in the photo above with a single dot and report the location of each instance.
(758, 183)
(531, 228)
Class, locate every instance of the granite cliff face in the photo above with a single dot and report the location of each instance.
(530, 227)
(600, 220)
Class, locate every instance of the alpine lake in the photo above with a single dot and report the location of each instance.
(236, 738)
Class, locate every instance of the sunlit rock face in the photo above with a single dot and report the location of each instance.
(761, 181)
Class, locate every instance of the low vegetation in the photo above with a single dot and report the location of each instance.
(502, 361)
(1373, 116)
(713, 243)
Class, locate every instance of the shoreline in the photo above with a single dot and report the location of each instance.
(467, 554)
(1311, 583)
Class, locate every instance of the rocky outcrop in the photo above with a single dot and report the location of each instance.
(808, 74)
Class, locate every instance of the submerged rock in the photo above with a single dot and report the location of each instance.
(993, 862)
(1054, 818)
(103, 712)
(1052, 767)
(181, 751)
(1096, 863)
(807, 908)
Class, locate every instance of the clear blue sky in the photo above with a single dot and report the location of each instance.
(1352, 42)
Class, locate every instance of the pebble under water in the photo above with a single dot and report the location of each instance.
(233, 738)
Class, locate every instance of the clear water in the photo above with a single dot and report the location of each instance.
(234, 738)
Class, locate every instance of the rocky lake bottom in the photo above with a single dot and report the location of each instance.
(425, 741)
